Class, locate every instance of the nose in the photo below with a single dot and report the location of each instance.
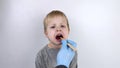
(58, 29)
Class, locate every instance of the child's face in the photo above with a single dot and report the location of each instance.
(56, 28)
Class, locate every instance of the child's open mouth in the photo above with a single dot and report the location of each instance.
(58, 37)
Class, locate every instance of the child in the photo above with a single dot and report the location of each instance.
(55, 26)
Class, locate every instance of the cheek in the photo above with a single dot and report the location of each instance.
(50, 33)
(66, 31)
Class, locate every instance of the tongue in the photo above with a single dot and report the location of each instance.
(59, 37)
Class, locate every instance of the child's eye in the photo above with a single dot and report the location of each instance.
(63, 26)
(52, 27)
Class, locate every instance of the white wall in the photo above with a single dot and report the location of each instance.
(94, 26)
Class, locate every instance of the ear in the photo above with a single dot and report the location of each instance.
(46, 34)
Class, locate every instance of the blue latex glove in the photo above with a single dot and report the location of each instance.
(66, 54)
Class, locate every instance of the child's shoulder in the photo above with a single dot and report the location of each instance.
(43, 50)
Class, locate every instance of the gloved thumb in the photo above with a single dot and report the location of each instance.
(64, 43)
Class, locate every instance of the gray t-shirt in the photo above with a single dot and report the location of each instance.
(46, 58)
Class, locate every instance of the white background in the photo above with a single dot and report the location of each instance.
(95, 26)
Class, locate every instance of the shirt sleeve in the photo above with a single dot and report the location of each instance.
(73, 64)
(39, 61)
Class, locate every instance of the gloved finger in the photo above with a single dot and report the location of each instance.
(71, 52)
(64, 43)
(72, 43)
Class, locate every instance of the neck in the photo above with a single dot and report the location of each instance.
(55, 46)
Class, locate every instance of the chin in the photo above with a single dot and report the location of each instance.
(58, 43)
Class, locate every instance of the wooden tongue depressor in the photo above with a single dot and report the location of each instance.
(73, 48)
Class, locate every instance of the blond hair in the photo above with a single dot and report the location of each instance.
(53, 14)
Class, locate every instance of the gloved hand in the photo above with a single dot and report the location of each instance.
(66, 54)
